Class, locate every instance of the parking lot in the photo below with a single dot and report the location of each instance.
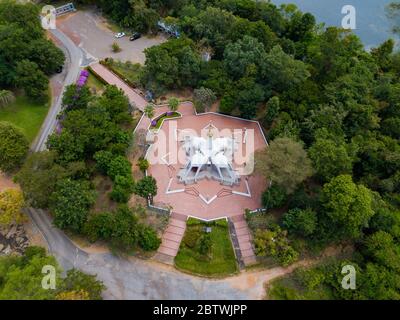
(89, 30)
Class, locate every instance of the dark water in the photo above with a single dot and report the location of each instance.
(373, 26)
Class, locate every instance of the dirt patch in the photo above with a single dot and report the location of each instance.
(6, 182)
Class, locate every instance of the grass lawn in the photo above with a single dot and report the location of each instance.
(26, 115)
(220, 261)
(128, 71)
(95, 83)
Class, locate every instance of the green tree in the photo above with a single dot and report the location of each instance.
(70, 204)
(273, 107)
(347, 207)
(77, 280)
(331, 158)
(146, 187)
(13, 147)
(242, 55)
(38, 177)
(123, 188)
(143, 164)
(99, 226)
(73, 100)
(302, 222)
(173, 103)
(171, 65)
(22, 276)
(282, 71)
(149, 111)
(119, 166)
(285, 163)
(30, 78)
(274, 197)
(148, 239)
(103, 159)
(125, 229)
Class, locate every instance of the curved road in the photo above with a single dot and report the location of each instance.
(74, 56)
(129, 278)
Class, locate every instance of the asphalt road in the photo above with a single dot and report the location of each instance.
(128, 278)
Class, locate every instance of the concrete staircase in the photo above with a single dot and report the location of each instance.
(171, 239)
(244, 239)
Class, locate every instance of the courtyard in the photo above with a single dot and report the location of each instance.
(208, 197)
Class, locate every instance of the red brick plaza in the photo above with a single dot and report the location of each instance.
(206, 198)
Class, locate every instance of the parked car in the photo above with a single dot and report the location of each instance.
(134, 36)
(120, 35)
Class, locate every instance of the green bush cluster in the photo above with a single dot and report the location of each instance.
(122, 229)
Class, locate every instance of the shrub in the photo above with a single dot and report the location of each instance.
(205, 244)
(115, 47)
(143, 164)
(274, 197)
(99, 226)
(275, 243)
(148, 239)
(146, 187)
(173, 103)
(122, 189)
(119, 166)
(302, 222)
(190, 239)
(103, 159)
(70, 203)
(125, 229)
(13, 147)
(227, 104)
(203, 99)
(6, 98)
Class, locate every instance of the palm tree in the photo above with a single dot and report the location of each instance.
(173, 104)
(149, 111)
(6, 98)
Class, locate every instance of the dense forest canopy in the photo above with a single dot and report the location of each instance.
(324, 101)
(312, 88)
(27, 57)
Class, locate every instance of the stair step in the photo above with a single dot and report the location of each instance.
(244, 237)
(247, 253)
(170, 244)
(242, 231)
(172, 236)
(175, 230)
(167, 251)
(240, 224)
(249, 260)
(177, 223)
(246, 245)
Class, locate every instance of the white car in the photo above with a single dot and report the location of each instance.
(120, 35)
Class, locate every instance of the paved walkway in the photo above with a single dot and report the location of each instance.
(171, 239)
(244, 238)
(111, 78)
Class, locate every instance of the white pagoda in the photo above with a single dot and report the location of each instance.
(209, 158)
